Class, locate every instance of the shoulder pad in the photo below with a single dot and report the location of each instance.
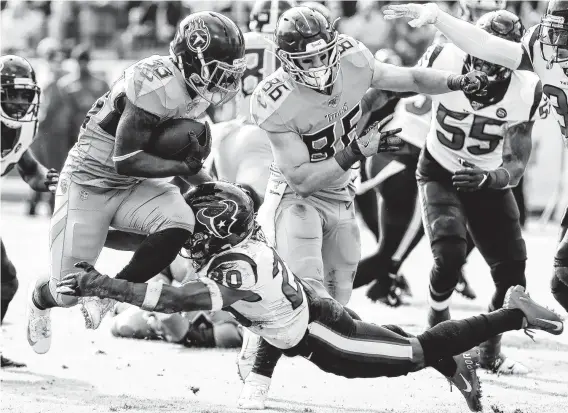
(235, 270)
(530, 91)
(528, 41)
(146, 89)
(430, 55)
(266, 102)
(355, 51)
(449, 57)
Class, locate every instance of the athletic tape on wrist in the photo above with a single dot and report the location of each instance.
(454, 82)
(346, 158)
(153, 292)
(216, 297)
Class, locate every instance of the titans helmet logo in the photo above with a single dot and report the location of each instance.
(197, 36)
(215, 220)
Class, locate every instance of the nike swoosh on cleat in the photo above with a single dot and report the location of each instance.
(558, 325)
(467, 385)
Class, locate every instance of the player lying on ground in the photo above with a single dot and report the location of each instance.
(543, 49)
(19, 104)
(239, 272)
(104, 180)
(191, 329)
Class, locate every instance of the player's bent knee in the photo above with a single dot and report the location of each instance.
(449, 254)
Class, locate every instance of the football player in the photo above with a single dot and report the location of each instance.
(477, 149)
(310, 108)
(19, 104)
(239, 272)
(543, 49)
(394, 183)
(243, 153)
(104, 180)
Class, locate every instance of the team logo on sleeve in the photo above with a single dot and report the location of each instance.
(501, 113)
(219, 218)
(198, 37)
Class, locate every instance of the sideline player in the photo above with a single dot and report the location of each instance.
(310, 108)
(543, 49)
(19, 104)
(239, 272)
(103, 182)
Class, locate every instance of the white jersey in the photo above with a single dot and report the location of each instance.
(413, 115)
(278, 309)
(465, 128)
(261, 62)
(554, 80)
(19, 139)
(153, 84)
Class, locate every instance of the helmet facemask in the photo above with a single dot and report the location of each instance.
(218, 81)
(495, 73)
(553, 37)
(19, 102)
(319, 77)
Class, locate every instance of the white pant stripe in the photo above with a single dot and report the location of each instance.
(372, 348)
(410, 233)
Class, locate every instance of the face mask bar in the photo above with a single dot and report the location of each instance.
(494, 72)
(19, 101)
(555, 35)
(318, 77)
(219, 82)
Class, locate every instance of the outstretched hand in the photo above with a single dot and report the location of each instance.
(420, 14)
(83, 283)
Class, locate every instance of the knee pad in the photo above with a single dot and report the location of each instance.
(299, 240)
(506, 274)
(339, 284)
(449, 257)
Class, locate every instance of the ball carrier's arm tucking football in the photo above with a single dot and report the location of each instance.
(182, 139)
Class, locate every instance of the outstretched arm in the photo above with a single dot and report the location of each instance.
(203, 294)
(466, 36)
(423, 80)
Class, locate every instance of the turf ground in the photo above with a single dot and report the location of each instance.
(91, 371)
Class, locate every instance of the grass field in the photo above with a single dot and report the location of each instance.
(91, 371)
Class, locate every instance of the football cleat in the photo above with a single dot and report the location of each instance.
(463, 288)
(254, 393)
(390, 292)
(506, 365)
(466, 380)
(536, 316)
(38, 329)
(94, 310)
(247, 355)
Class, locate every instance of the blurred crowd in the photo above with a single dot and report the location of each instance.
(64, 39)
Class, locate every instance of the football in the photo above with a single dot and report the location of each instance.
(174, 138)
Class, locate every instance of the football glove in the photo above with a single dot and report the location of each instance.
(420, 14)
(375, 140)
(471, 178)
(51, 180)
(199, 151)
(84, 283)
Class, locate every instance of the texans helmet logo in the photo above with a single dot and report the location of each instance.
(216, 221)
(198, 36)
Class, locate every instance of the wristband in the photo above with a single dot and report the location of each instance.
(454, 82)
(215, 292)
(347, 157)
(498, 179)
(153, 292)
